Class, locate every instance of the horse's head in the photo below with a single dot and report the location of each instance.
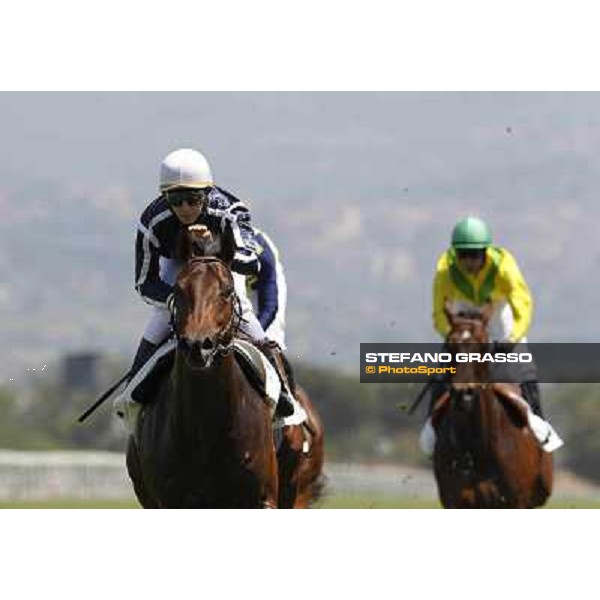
(468, 334)
(206, 314)
(468, 327)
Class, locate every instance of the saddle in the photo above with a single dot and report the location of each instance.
(255, 366)
(508, 394)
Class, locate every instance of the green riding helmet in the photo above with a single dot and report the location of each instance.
(471, 233)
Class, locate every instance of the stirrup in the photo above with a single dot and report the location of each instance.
(128, 411)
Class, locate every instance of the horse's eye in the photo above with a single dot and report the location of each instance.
(227, 292)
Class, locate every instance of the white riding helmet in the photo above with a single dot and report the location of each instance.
(185, 168)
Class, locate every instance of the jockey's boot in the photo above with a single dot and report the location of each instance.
(427, 436)
(128, 409)
(543, 431)
(437, 390)
(271, 350)
(531, 394)
(144, 352)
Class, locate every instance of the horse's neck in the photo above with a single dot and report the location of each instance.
(486, 418)
(200, 397)
(471, 372)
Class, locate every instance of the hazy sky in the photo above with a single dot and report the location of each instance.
(118, 138)
(374, 178)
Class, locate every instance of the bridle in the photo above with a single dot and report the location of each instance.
(224, 338)
(467, 392)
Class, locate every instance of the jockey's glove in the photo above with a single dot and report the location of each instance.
(503, 347)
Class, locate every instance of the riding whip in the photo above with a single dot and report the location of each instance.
(109, 392)
(420, 397)
(102, 398)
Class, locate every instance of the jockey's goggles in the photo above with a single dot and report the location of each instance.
(470, 253)
(191, 197)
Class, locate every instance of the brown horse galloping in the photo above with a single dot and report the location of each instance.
(485, 455)
(206, 440)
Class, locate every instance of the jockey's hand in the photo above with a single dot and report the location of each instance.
(200, 233)
(503, 347)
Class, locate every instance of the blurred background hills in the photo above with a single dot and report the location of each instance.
(359, 190)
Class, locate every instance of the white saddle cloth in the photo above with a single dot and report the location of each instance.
(126, 408)
(544, 433)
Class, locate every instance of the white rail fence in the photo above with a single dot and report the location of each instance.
(103, 476)
(76, 475)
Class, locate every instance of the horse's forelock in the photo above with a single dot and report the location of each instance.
(200, 266)
(465, 323)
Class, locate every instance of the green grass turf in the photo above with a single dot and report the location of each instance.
(329, 502)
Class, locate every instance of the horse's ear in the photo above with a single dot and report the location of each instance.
(449, 312)
(227, 246)
(486, 312)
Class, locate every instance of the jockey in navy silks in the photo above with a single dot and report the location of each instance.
(189, 196)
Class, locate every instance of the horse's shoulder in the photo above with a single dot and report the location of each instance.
(509, 395)
(440, 408)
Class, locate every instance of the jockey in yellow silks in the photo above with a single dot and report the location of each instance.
(496, 277)
(469, 274)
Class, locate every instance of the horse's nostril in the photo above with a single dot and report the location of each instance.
(207, 344)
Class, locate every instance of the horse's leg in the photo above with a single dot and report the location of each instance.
(268, 503)
(310, 479)
(526, 470)
(288, 460)
(544, 481)
(451, 497)
(249, 475)
(269, 481)
(270, 499)
(449, 490)
(494, 496)
(135, 473)
(300, 479)
(444, 498)
(453, 490)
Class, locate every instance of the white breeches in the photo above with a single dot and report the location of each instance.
(250, 325)
(158, 326)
